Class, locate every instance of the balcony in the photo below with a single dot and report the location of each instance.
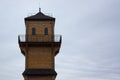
(39, 38)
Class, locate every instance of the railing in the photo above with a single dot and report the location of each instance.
(39, 38)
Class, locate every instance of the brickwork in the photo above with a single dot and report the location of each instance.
(39, 57)
(39, 26)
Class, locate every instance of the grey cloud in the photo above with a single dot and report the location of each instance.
(90, 29)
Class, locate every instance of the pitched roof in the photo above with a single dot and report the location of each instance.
(40, 72)
(39, 16)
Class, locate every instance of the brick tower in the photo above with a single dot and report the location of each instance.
(39, 46)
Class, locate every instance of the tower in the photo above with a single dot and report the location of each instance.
(39, 46)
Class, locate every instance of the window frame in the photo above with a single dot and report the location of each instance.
(45, 31)
(33, 31)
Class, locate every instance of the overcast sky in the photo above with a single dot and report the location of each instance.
(91, 37)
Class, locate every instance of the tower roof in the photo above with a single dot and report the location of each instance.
(39, 16)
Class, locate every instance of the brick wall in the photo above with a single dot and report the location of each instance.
(39, 57)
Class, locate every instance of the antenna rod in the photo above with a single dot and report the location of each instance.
(39, 9)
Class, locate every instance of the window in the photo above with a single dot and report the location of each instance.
(33, 31)
(46, 31)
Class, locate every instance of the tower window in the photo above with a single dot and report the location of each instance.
(33, 31)
(46, 31)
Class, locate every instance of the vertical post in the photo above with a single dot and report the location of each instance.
(39, 9)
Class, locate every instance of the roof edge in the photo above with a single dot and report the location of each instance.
(39, 16)
(39, 72)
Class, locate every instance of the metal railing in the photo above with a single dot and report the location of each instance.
(39, 38)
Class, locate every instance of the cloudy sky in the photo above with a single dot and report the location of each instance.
(91, 37)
